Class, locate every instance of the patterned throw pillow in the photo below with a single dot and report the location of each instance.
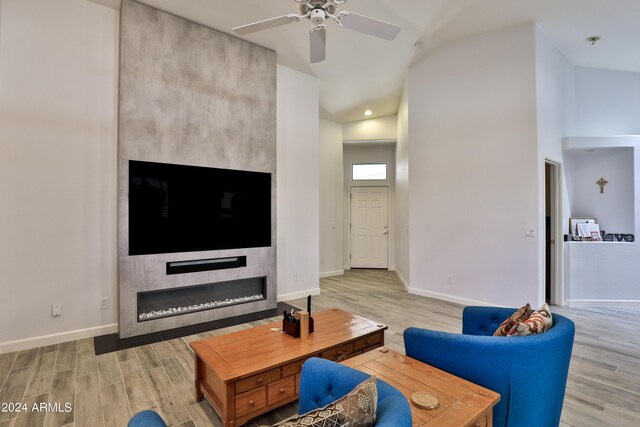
(356, 409)
(539, 322)
(519, 316)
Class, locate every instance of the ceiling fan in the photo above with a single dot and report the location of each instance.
(318, 11)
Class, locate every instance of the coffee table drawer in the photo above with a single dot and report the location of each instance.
(338, 353)
(281, 390)
(366, 342)
(251, 401)
(258, 380)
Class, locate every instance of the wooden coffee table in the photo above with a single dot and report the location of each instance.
(461, 403)
(250, 372)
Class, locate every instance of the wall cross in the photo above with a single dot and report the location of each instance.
(602, 182)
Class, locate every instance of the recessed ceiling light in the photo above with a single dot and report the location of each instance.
(368, 113)
(593, 39)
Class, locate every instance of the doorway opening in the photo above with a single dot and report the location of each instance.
(553, 292)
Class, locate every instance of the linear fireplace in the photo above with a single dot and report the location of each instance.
(190, 299)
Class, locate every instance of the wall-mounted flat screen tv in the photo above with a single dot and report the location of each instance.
(177, 208)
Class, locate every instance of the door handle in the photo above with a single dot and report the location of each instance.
(386, 232)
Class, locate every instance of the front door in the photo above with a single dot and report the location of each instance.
(369, 227)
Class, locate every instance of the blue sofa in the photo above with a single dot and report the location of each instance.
(530, 373)
(323, 382)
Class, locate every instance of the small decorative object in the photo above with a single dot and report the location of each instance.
(629, 238)
(291, 322)
(619, 237)
(602, 182)
(304, 324)
(575, 221)
(595, 236)
(425, 400)
(609, 238)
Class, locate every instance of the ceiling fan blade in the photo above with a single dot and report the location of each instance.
(364, 24)
(266, 24)
(318, 43)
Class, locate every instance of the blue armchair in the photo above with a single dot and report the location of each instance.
(323, 382)
(146, 418)
(530, 373)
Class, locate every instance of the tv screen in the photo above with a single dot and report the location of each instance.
(176, 208)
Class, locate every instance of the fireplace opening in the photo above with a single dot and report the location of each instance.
(190, 299)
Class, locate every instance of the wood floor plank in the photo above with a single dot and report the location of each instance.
(109, 369)
(162, 350)
(6, 362)
(8, 423)
(63, 391)
(48, 348)
(87, 362)
(203, 415)
(127, 354)
(180, 380)
(25, 358)
(187, 424)
(88, 409)
(136, 386)
(147, 357)
(41, 375)
(13, 389)
(67, 353)
(184, 355)
(32, 417)
(116, 405)
(168, 401)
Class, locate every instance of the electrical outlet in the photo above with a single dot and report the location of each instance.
(450, 279)
(56, 310)
(104, 303)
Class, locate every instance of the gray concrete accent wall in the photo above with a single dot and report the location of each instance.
(195, 96)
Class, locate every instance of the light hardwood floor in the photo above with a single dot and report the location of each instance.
(603, 387)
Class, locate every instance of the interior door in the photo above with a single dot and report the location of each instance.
(369, 227)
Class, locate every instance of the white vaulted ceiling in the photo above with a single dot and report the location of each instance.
(363, 72)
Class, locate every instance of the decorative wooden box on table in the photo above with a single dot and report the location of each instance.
(250, 372)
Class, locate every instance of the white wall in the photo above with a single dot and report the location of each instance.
(298, 184)
(607, 102)
(474, 170)
(373, 152)
(554, 100)
(331, 199)
(58, 97)
(379, 128)
(402, 191)
(614, 208)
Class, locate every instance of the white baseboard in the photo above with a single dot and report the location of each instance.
(332, 273)
(448, 298)
(601, 303)
(403, 281)
(57, 338)
(297, 295)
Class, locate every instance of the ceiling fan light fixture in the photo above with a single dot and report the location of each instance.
(368, 113)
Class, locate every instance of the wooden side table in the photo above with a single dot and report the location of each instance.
(461, 403)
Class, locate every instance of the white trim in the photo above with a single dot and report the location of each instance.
(331, 273)
(300, 294)
(602, 303)
(403, 281)
(57, 338)
(448, 298)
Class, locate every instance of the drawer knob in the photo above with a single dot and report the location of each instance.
(282, 391)
(367, 342)
(260, 381)
(251, 403)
